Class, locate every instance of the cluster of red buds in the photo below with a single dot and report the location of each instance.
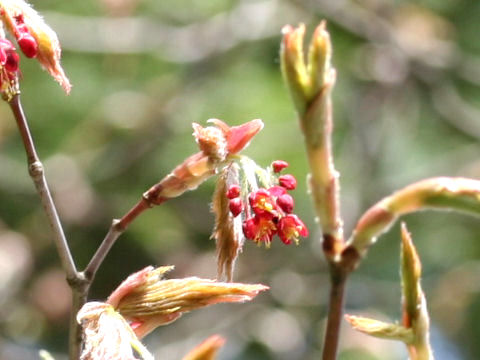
(9, 58)
(25, 40)
(9, 63)
(269, 210)
(34, 38)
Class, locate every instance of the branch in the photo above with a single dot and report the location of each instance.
(216, 144)
(80, 288)
(116, 229)
(335, 311)
(76, 280)
(310, 84)
(35, 169)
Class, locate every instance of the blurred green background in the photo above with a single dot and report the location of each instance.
(406, 106)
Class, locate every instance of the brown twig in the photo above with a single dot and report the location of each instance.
(79, 282)
(335, 313)
(75, 279)
(35, 169)
(116, 229)
(80, 288)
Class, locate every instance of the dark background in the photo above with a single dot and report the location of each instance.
(406, 107)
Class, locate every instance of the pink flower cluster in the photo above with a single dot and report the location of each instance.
(9, 61)
(270, 210)
(9, 58)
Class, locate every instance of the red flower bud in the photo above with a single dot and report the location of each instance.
(235, 206)
(5, 48)
(286, 203)
(233, 191)
(277, 191)
(249, 228)
(3, 56)
(11, 64)
(288, 181)
(28, 45)
(279, 165)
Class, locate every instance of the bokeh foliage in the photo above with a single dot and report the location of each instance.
(405, 106)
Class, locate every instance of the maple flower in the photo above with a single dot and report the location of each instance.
(249, 203)
(260, 228)
(262, 203)
(290, 227)
(272, 214)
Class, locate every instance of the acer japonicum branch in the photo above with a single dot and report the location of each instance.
(36, 171)
(310, 83)
(217, 144)
(250, 203)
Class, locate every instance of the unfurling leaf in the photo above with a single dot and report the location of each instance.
(148, 301)
(414, 331)
(414, 305)
(216, 145)
(411, 271)
(207, 350)
(441, 193)
(380, 329)
(306, 79)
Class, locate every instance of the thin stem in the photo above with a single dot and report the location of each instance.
(80, 289)
(317, 124)
(116, 229)
(335, 312)
(420, 351)
(35, 169)
(76, 280)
